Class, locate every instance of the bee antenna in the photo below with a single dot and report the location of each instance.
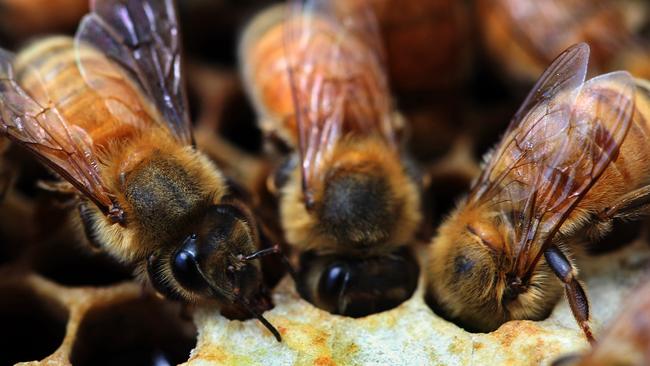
(269, 251)
(243, 303)
(263, 253)
(259, 317)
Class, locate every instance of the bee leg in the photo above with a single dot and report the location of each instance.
(89, 229)
(575, 293)
(635, 203)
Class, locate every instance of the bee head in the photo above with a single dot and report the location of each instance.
(471, 280)
(209, 262)
(214, 262)
(357, 286)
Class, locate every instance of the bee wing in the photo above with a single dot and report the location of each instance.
(561, 140)
(142, 37)
(336, 72)
(567, 72)
(38, 126)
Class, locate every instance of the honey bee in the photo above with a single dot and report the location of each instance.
(627, 339)
(107, 112)
(573, 159)
(346, 191)
(524, 36)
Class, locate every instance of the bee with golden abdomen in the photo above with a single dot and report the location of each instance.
(524, 36)
(346, 191)
(107, 112)
(573, 159)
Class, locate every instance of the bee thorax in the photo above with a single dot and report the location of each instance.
(162, 194)
(357, 208)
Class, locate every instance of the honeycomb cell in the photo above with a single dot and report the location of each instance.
(238, 124)
(74, 266)
(33, 326)
(31, 171)
(143, 331)
(211, 28)
(444, 192)
(15, 236)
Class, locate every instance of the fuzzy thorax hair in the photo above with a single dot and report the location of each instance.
(364, 202)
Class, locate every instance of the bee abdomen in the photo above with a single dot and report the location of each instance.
(263, 62)
(48, 71)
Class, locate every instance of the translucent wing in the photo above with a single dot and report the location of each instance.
(561, 140)
(337, 77)
(66, 148)
(143, 37)
(567, 72)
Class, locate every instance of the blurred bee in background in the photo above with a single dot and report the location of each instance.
(22, 19)
(627, 339)
(107, 112)
(348, 197)
(525, 35)
(427, 43)
(428, 46)
(573, 159)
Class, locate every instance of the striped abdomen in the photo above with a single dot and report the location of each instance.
(336, 75)
(631, 169)
(48, 71)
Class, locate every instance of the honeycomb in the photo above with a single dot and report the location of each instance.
(65, 304)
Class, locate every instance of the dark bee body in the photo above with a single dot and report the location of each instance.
(107, 112)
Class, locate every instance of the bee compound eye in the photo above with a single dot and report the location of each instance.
(333, 283)
(186, 271)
